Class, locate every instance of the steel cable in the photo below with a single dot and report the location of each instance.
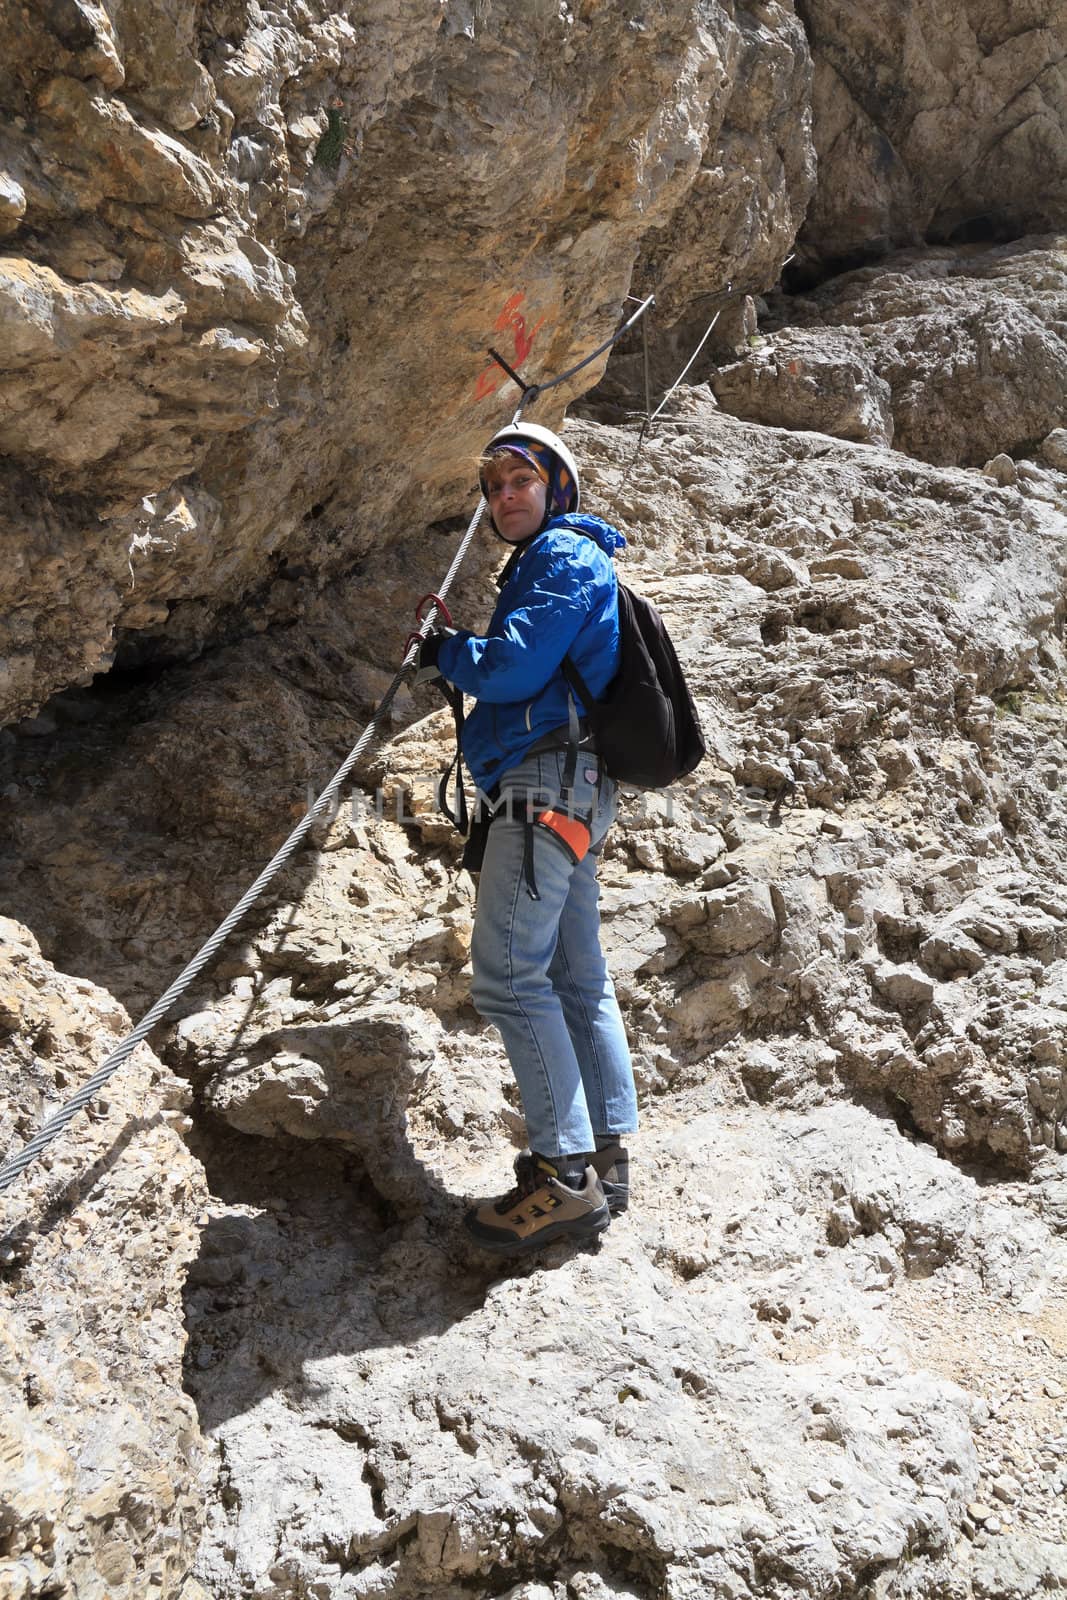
(15, 1165)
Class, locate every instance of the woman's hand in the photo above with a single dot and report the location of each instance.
(426, 668)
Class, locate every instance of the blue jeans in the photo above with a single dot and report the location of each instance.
(539, 973)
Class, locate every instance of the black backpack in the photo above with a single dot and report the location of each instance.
(645, 727)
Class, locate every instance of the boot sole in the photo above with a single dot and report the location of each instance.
(560, 1230)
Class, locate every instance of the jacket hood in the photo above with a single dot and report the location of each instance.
(608, 538)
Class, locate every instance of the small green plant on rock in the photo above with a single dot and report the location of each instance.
(332, 140)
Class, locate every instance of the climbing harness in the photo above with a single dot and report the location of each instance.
(15, 1165)
(568, 828)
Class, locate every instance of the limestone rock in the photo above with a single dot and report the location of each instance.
(904, 986)
(836, 707)
(248, 254)
(839, 950)
(748, 1392)
(1054, 448)
(756, 174)
(737, 919)
(737, 223)
(12, 204)
(1002, 470)
(957, 356)
(349, 1080)
(100, 1494)
(934, 121)
(1023, 1565)
(825, 382)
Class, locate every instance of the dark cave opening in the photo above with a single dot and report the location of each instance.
(988, 227)
(808, 271)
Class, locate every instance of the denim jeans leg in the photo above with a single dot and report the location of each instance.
(579, 975)
(512, 949)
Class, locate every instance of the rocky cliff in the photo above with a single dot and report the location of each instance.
(936, 122)
(250, 249)
(253, 258)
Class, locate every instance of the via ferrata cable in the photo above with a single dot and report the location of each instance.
(16, 1164)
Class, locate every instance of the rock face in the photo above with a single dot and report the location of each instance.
(253, 258)
(840, 952)
(722, 1435)
(935, 121)
(912, 885)
(248, 251)
(826, 382)
(954, 356)
(736, 226)
(99, 1495)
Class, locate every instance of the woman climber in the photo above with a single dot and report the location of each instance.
(539, 972)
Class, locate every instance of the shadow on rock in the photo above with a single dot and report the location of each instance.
(308, 1256)
(347, 1082)
(134, 814)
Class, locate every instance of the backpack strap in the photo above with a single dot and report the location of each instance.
(570, 765)
(577, 682)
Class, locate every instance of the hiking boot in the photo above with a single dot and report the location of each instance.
(538, 1210)
(612, 1167)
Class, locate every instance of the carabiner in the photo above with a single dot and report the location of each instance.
(442, 608)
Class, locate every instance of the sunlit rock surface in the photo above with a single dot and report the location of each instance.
(840, 953)
(938, 120)
(100, 1493)
(956, 356)
(250, 249)
(253, 258)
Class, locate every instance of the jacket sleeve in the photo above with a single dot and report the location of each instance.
(526, 647)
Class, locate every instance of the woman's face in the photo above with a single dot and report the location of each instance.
(516, 498)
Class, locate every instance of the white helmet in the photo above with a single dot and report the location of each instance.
(564, 481)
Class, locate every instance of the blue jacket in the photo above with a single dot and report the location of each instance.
(558, 597)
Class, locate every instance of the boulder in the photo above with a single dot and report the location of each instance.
(824, 382)
(960, 351)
